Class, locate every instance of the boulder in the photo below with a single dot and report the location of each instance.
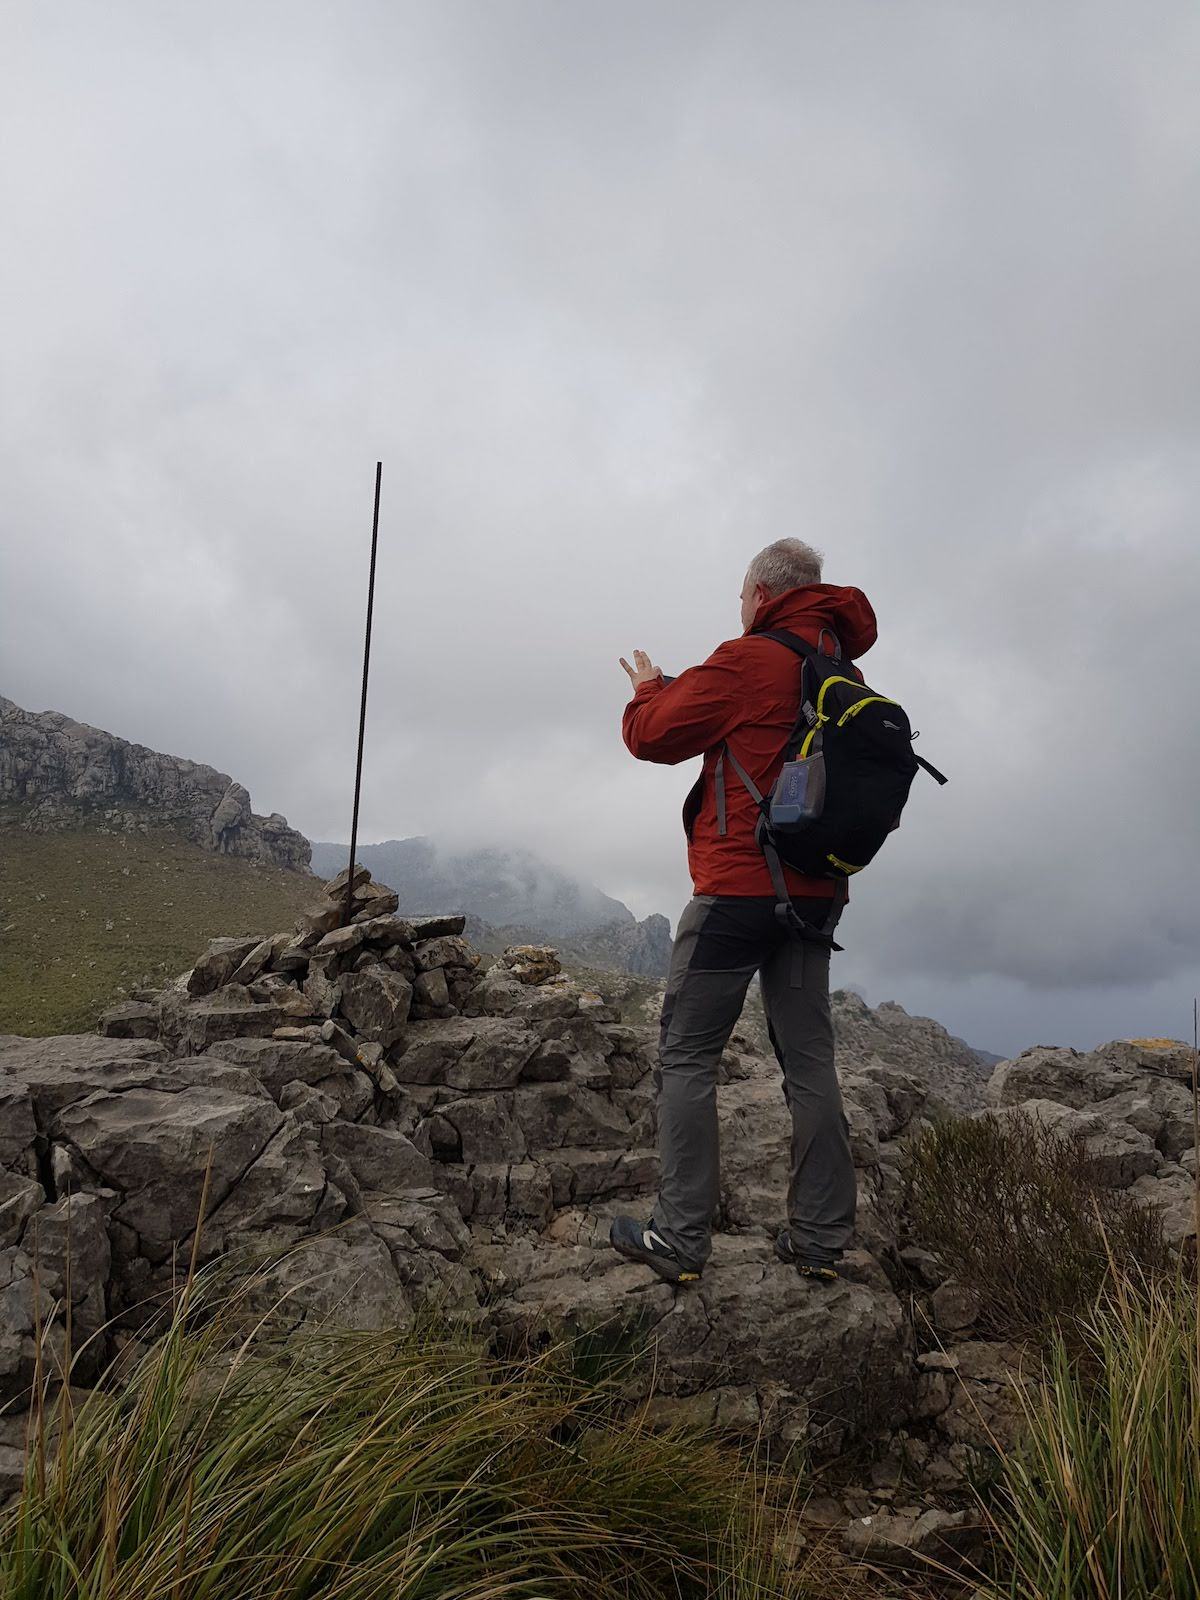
(341, 941)
(254, 962)
(915, 1541)
(155, 1148)
(380, 1158)
(1118, 1151)
(436, 927)
(376, 1004)
(1065, 1076)
(190, 1026)
(276, 1062)
(431, 989)
(531, 963)
(131, 1019)
(218, 963)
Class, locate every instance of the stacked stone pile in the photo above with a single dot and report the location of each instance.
(400, 1129)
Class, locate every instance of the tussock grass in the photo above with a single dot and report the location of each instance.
(1104, 1501)
(1017, 1211)
(378, 1466)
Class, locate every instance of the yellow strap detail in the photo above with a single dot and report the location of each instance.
(842, 866)
(822, 719)
(828, 684)
(867, 700)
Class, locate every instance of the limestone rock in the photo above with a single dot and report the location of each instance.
(374, 902)
(436, 927)
(955, 1306)
(276, 1062)
(1120, 1153)
(218, 964)
(913, 1541)
(340, 941)
(950, 1072)
(531, 963)
(20, 1198)
(191, 1026)
(131, 1019)
(380, 1158)
(253, 963)
(431, 988)
(1065, 1076)
(154, 1147)
(376, 1004)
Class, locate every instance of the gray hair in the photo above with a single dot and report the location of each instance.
(786, 564)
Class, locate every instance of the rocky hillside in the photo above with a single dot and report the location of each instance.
(60, 772)
(87, 913)
(954, 1074)
(512, 897)
(411, 1132)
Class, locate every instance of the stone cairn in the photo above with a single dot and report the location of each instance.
(397, 1129)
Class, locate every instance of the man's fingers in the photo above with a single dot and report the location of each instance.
(626, 665)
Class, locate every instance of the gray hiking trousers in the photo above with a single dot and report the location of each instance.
(721, 942)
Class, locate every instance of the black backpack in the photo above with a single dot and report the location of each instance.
(848, 766)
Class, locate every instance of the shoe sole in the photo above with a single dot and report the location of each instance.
(645, 1258)
(812, 1274)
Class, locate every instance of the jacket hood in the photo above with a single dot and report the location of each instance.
(822, 605)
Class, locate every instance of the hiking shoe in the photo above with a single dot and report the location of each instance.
(630, 1238)
(806, 1267)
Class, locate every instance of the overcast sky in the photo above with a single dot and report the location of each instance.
(619, 292)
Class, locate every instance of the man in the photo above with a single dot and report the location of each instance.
(744, 700)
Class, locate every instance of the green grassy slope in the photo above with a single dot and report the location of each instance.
(87, 915)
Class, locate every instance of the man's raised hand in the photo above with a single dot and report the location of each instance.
(642, 670)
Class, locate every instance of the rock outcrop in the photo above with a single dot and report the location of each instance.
(401, 1131)
(642, 948)
(61, 771)
(953, 1073)
(443, 1138)
(1130, 1102)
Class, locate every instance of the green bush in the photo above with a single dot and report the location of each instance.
(1017, 1211)
(378, 1466)
(1104, 1501)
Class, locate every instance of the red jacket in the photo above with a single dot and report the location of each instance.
(747, 694)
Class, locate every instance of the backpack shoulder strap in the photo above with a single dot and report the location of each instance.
(795, 643)
(813, 655)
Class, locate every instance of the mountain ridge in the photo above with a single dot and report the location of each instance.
(62, 772)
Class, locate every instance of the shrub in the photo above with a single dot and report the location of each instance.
(1104, 1501)
(378, 1466)
(1017, 1211)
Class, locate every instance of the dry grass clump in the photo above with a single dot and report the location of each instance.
(378, 1466)
(1103, 1503)
(1018, 1211)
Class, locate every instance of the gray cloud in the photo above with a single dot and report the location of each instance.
(619, 293)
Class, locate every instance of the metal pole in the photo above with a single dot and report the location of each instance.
(348, 910)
